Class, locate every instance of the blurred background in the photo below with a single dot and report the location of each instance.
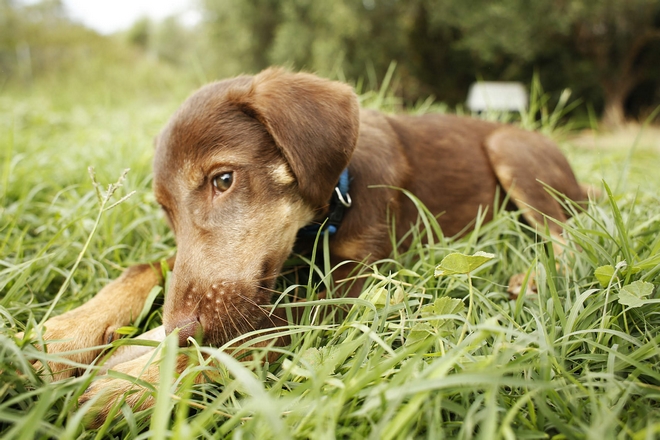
(607, 52)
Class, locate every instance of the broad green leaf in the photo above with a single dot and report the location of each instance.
(604, 274)
(377, 295)
(634, 294)
(399, 295)
(457, 263)
(448, 306)
(312, 356)
(419, 332)
(443, 306)
(314, 359)
(329, 354)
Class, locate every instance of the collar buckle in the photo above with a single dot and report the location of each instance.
(347, 202)
(339, 202)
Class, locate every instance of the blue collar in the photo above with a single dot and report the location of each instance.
(339, 202)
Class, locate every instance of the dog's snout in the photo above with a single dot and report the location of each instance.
(189, 327)
(214, 313)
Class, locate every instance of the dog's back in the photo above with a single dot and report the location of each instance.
(454, 166)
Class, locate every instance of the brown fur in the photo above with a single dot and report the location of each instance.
(287, 137)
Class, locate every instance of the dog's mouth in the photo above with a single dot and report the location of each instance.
(220, 312)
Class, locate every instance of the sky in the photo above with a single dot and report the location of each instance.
(108, 16)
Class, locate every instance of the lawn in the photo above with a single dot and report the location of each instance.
(416, 356)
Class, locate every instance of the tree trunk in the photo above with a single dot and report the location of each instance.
(617, 89)
(614, 113)
(615, 93)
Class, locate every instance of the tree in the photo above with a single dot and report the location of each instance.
(614, 36)
(242, 32)
(603, 40)
(602, 49)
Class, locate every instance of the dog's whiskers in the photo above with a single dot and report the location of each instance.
(265, 278)
(248, 322)
(221, 325)
(266, 312)
(231, 320)
(258, 306)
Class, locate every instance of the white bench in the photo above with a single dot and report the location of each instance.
(498, 96)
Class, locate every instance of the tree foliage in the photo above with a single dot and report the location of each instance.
(39, 40)
(602, 49)
(608, 45)
(606, 51)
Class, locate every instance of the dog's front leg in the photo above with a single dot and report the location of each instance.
(132, 381)
(94, 323)
(140, 375)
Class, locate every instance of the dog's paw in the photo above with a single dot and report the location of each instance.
(133, 382)
(72, 340)
(134, 385)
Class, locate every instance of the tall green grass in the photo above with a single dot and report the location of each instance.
(406, 360)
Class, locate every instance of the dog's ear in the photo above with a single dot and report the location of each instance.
(313, 121)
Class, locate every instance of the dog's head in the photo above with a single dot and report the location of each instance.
(239, 169)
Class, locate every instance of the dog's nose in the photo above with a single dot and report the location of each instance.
(188, 328)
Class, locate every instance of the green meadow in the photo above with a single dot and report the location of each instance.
(416, 356)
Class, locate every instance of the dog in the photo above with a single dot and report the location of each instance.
(249, 168)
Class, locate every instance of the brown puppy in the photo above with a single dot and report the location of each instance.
(245, 163)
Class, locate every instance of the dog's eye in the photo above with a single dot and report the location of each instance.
(223, 181)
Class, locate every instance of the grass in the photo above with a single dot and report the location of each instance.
(416, 355)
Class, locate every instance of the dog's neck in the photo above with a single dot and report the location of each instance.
(339, 202)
